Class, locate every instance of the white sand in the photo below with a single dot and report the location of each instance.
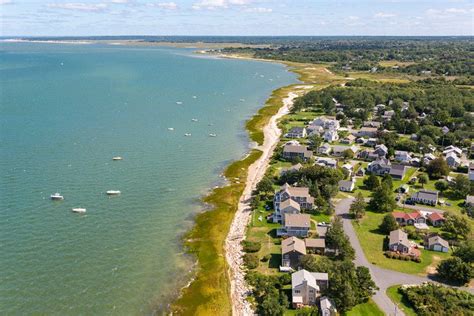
(233, 249)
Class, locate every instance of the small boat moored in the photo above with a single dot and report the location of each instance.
(113, 192)
(212, 135)
(79, 210)
(187, 134)
(194, 120)
(117, 158)
(170, 128)
(179, 102)
(57, 197)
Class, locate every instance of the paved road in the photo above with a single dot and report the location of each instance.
(383, 278)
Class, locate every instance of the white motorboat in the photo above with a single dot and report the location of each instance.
(117, 158)
(194, 120)
(79, 210)
(242, 100)
(212, 135)
(179, 102)
(187, 134)
(170, 128)
(194, 97)
(56, 196)
(113, 192)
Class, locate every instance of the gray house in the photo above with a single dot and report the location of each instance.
(398, 241)
(436, 243)
(397, 171)
(296, 151)
(295, 225)
(306, 287)
(296, 132)
(380, 166)
(298, 194)
(292, 250)
(425, 197)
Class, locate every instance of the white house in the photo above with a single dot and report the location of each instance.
(453, 160)
(331, 135)
(324, 149)
(306, 287)
(346, 185)
(436, 243)
(402, 156)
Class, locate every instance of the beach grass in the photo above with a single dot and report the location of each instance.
(208, 293)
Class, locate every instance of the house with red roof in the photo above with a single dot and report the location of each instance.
(436, 219)
(409, 218)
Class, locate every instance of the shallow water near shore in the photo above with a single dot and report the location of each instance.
(65, 111)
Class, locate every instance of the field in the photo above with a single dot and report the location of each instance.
(372, 242)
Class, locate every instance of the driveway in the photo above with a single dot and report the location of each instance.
(383, 278)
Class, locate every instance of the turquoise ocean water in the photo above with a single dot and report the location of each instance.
(65, 111)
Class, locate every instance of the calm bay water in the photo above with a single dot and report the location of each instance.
(65, 111)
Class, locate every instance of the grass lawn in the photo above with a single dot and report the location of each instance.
(372, 244)
(400, 301)
(366, 309)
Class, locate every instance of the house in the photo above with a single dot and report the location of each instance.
(349, 139)
(296, 132)
(398, 241)
(306, 287)
(470, 200)
(327, 307)
(436, 243)
(380, 166)
(453, 160)
(327, 162)
(471, 171)
(331, 135)
(339, 150)
(325, 123)
(427, 158)
(295, 225)
(436, 219)
(403, 218)
(415, 162)
(292, 250)
(348, 167)
(402, 156)
(360, 172)
(314, 130)
(296, 151)
(372, 124)
(445, 130)
(381, 150)
(346, 185)
(372, 141)
(296, 167)
(425, 197)
(321, 230)
(324, 149)
(452, 149)
(315, 245)
(289, 206)
(367, 132)
(397, 171)
(387, 115)
(368, 154)
(298, 194)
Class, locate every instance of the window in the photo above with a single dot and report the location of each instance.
(297, 291)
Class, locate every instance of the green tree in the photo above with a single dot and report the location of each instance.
(365, 285)
(272, 304)
(357, 209)
(336, 239)
(465, 251)
(387, 181)
(454, 269)
(383, 199)
(265, 185)
(388, 224)
(437, 168)
(461, 186)
(372, 182)
(422, 179)
(441, 186)
(456, 225)
(348, 154)
(315, 141)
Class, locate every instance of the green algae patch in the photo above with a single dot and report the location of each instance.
(209, 292)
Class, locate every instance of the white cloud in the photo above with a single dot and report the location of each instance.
(164, 5)
(6, 2)
(119, 1)
(79, 6)
(353, 17)
(384, 15)
(218, 4)
(259, 10)
(456, 10)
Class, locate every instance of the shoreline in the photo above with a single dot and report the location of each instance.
(236, 235)
(219, 286)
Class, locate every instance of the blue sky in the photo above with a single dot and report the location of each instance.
(236, 17)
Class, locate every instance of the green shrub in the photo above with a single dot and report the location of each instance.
(251, 246)
(251, 260)
(266, 257)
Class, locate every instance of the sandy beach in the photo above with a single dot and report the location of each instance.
(233, 249)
